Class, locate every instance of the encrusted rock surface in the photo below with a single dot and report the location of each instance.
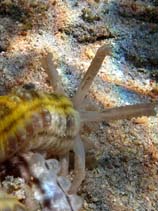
(126, 174)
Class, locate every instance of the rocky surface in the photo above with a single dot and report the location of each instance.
(125, 177)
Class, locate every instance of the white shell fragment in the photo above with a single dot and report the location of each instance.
(51, 189)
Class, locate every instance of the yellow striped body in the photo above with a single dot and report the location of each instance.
(9, 202)
(31, 120)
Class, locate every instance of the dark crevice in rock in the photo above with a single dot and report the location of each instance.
(139, 10)
(88, 33)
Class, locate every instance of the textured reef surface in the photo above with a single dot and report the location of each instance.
(123, 174)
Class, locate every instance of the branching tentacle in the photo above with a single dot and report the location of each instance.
(49, 66)
(79, 169)
(90, 74)
(123, 112)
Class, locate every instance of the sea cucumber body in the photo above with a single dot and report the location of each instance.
(31, 120)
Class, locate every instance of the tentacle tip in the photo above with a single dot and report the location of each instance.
(106, 48)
